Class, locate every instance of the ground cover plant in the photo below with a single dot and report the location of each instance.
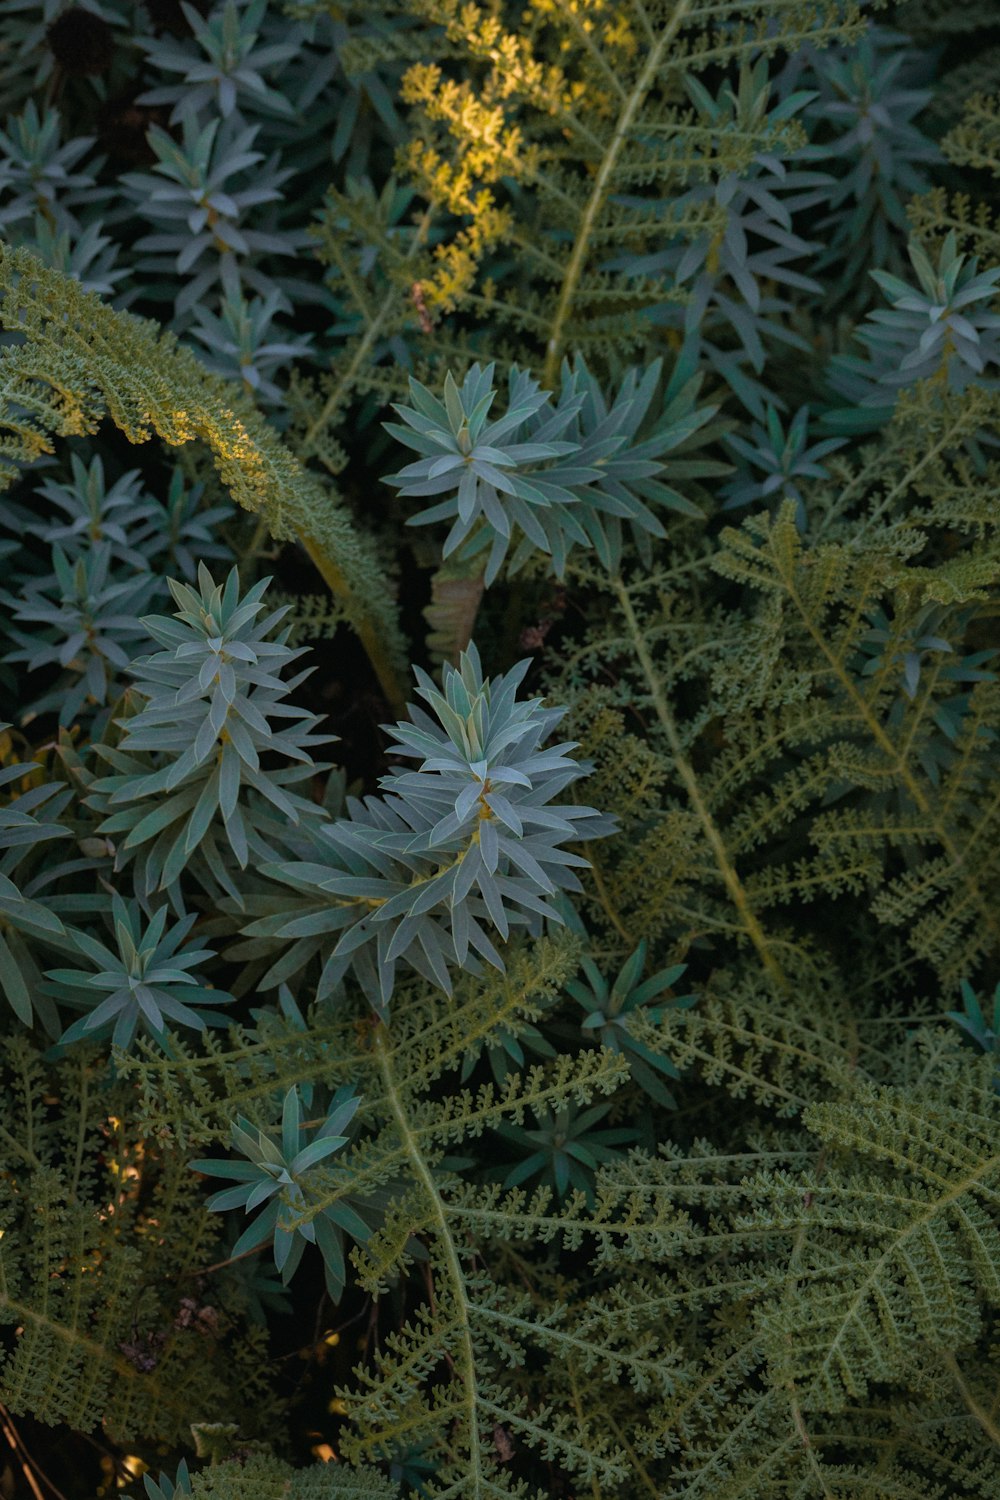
(499, 710)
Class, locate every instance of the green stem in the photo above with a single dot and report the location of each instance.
(439, 1216)
(685, 771)
(374, 644)
(626, 119)
(976, 1410)
(371, 333)
(604, 897)
(977, 897)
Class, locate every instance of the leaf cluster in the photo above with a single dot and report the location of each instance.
(579, 1080)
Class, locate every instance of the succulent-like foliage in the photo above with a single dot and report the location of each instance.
(612, 1011)
(276, 1172)
(187, 760)
(589, 1235)
(166, 1488)
(145, 982)
(89, 511)
(547, 479)
(985, 1032)
(202, 204)
(39, 171)
(140, 532)
(938, 326)
(221, 64)
(563, 1150)
(85, 623)
(774, 461)
(243, 343)
(941, 329)
(882, 642)
(863, 126)
(88, 256)
(624, 442)
(729, 280)
(261, 1473)
(29, 817)
(182, 532)
(468, 842)
(474, 462)
(153, 386)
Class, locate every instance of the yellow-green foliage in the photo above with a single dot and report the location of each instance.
(558, 1287)
(80, 362)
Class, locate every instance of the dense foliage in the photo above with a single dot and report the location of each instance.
(500, 749)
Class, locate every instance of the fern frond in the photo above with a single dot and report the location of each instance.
(82, 360)
(93, 1298)
(899, 1256)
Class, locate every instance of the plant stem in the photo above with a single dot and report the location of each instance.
(574, 270)
(425, 1177)
(979, 1412)
(686, 773)
(371, 640)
